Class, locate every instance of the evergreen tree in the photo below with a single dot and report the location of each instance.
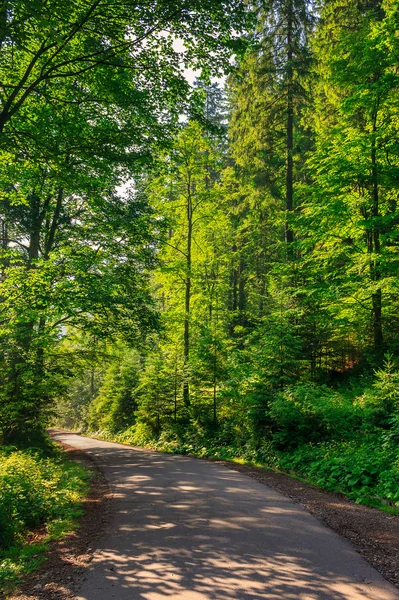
(351, 219)
(268, 95)
(269, 142)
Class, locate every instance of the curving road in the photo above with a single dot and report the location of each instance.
(186, 529)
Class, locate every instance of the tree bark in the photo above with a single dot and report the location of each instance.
(375, 262)
(186, 388)
(289, 192)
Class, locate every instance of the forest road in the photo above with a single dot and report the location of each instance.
(186, 529)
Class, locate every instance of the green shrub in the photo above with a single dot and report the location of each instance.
(140, 434)
(35, 490)
(381, 401)
(310, 413)
(366, 471)
(391, 437)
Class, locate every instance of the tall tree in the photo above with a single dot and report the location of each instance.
(353, 209)
(268, 141)
(183, 194)
(268, 94)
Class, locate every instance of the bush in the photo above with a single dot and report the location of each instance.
(312, 413)
(140, 434)
(35, 490)
(366, 471)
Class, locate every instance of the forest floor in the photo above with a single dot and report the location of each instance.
(373, 533)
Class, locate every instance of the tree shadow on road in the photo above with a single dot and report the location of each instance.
(191, 530)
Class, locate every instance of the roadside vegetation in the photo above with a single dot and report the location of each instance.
(40, 499)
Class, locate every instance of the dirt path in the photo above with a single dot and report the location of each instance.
(191, 530)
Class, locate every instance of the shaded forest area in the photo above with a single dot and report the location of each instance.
(210, 268)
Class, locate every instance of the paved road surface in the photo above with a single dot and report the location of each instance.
(185, 529)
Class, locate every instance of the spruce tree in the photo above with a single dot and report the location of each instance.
(352, 215)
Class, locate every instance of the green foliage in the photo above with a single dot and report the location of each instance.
(113, 408)
(155, 394)
(382, 401)
(95, 280)
(366, 471)
(256, 279)
(348, 223)
(140, 434)
(312, 413)
(89, 94)
(335, 438)
(72, 408)
(35, 488)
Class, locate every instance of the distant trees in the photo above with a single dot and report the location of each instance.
(186, 195)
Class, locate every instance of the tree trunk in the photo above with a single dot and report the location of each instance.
(186, 389)
(289, 192)
(241, 289)
(4, 242)
(50, 237)
(175, 397)
(375, 262)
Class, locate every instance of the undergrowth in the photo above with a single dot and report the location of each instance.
(39, 486)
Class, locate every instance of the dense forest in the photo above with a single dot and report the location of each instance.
(206, 267)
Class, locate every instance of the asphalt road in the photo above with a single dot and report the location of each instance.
(186, 529)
